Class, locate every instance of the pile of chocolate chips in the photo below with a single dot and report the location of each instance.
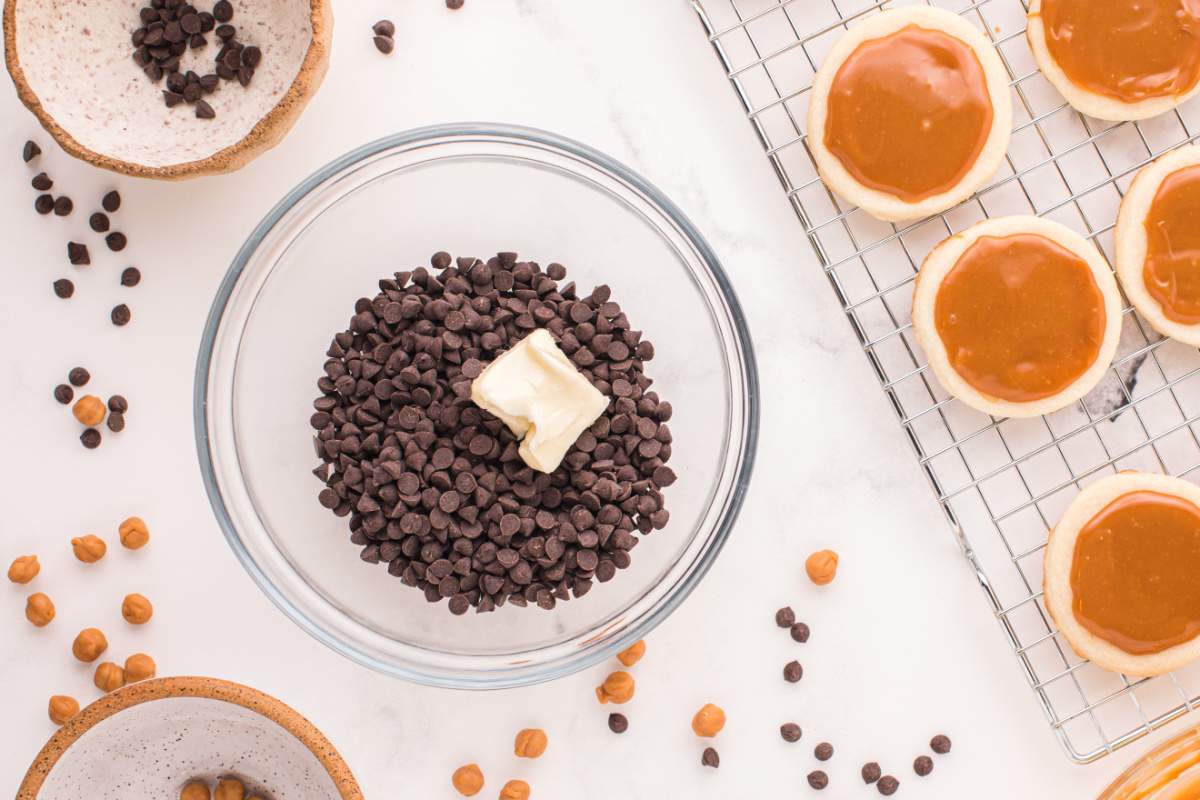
(434, 486)
(169, 28)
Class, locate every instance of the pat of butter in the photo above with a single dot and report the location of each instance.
(540, 395)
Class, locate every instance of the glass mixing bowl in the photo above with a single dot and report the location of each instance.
(471, 189)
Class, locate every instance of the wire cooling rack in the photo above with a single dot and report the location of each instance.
(1000, 482)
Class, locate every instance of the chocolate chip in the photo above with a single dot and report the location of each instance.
(44, 204)
(887, 785)
(131, 276)
(434, 486)
(818, 779)
(116, 422)
(454, 5)
(64, 288)
(116, 241)
(923, 765)
(940, 744)
(618, 723)
(78, 254)
(111, 201)
(63, 393)
(385, 27)
(785, 617)
(792, 671)
(98, 222)
(799, 632)
(384, 44)
(118, 404)
(30, 151)
(90, 438)
(204, 110)
(79, 376)
(42, 182)
(121, 315)
(63, 206)
(790, 732)
(710, 758)
(871, 772)
(223, 11)
(823, 751)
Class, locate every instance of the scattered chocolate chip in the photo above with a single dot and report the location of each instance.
(64, 394)
(111, 201)
(90, 438)
(887, 785)
(42, 182)
(98, 222)
(385, 27)
(30, 151)
(618, 723)
(116, 241)
(923, 765)
(384, 44)
(131, 276)
(800, 632)
(79, 376)
(204, 110)
(118, 404)
(78, 254)
(121, 315)
(710, 758)
(823, 751)
(116, 422)
(790, 732)
(792, 671)
(63, 206)
(818, 780)
(785, 617)
(223, 11)
(940, 744)
(871, 772)
(64, 288)
(454, 4)
(44, 204)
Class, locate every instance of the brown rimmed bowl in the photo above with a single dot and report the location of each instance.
(71, 61)
(150, 738)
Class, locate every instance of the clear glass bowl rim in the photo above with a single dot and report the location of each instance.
(637, 630)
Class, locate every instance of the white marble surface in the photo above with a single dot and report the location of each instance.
(903, 645)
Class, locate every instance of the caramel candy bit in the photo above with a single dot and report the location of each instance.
(821, 567)
(24, 569)
(530, 743)
(617, 688)
(632, 654)
(468, 780)
(708, 721)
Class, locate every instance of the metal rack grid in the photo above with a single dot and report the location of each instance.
(1000, 482)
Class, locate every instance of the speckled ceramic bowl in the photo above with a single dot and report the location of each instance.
(149, 739)
(71, 61)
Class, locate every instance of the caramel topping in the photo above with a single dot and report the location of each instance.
(909, 113)
(1171, 270)
(1020, 316)
(1134, 573)
(1128, 50)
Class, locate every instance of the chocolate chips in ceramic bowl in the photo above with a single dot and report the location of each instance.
(171, 28)
(434, 486)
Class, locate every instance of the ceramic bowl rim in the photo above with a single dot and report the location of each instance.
(190, 686)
